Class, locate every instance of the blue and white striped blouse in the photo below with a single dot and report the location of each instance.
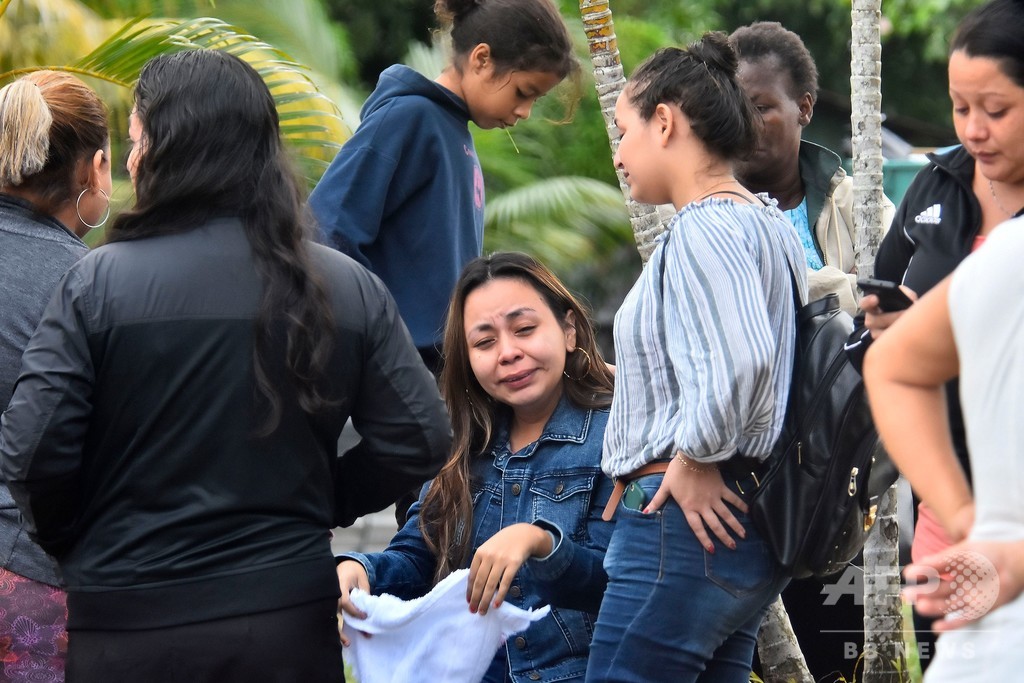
(707, 374)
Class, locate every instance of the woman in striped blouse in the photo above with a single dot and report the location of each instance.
(704, 349)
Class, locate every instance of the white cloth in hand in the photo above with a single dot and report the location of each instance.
(433, 638)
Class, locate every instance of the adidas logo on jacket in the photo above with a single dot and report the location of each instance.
(932, 215)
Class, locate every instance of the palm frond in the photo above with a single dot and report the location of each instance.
(429, 60)
(301, 27)
(307, 116)
(120, 58)
(309, 120)
(562, 221)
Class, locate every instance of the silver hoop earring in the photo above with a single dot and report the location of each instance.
(78, 209)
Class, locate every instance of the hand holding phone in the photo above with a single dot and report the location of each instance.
(890, 296)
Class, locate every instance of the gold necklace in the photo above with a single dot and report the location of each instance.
(992, 189)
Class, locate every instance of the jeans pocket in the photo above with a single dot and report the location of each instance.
(744, 571)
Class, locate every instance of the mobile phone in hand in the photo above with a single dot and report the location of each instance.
(890, 296)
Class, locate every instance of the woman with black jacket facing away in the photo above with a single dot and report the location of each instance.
(172, 439)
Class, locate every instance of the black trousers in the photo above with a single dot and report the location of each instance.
(281, 646)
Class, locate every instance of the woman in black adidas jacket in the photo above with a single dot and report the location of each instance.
(959, 197)
(933, 230)
(172, 439)
(946, 213)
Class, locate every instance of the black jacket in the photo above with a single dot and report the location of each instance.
(932, 232)
(130, 443)
(935, 224)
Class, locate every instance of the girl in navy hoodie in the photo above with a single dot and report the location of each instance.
(405, 195)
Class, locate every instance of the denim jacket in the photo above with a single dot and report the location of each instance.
(555, 482)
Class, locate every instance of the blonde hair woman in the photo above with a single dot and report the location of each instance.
(54, 186)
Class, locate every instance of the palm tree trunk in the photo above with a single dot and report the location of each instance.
(610, 80)
(866, 125)
(781, 657)
(884, 649)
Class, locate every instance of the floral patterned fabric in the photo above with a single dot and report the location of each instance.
(33, 635)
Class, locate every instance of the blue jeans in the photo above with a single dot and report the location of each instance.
(674, 612)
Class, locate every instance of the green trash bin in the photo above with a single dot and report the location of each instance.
(897, 175)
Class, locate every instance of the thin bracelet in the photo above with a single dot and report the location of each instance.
(694, 467)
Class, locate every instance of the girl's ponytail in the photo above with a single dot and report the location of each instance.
(701, 80)
(49, 121)
(715, 50)
(451, 12)
(523, 35)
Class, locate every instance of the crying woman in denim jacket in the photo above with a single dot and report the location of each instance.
(519, 502)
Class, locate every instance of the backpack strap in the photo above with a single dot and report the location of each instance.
(797, 305)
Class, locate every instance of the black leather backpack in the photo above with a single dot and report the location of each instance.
(816, 504)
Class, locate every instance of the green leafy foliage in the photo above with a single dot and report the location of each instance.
(310, 121)
(380, 32)
(299, 26)
(314, 51)
(579, 219)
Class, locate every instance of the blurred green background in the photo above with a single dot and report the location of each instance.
(553, 192)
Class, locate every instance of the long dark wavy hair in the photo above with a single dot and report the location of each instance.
(211, 146)
(447, 512)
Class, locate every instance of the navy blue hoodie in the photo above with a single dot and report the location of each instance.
(405, 196)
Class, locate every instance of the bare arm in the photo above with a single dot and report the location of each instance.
(905, 372)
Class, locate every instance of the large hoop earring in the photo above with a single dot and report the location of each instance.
(78, 209)
(586, 368)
